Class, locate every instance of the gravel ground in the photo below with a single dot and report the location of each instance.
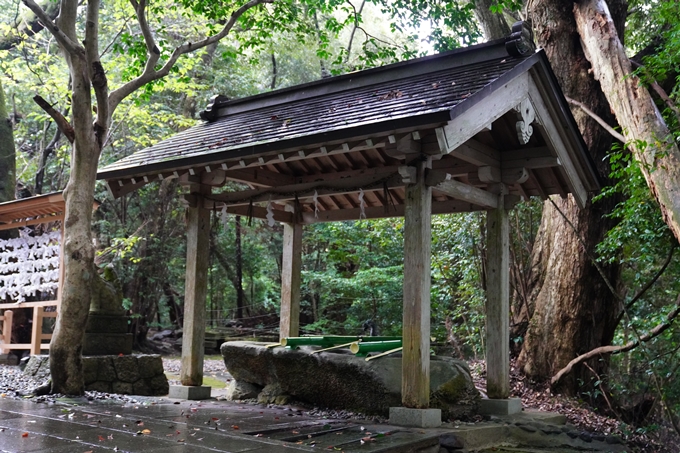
(14, 384)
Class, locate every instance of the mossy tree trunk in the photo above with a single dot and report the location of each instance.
(574, 311)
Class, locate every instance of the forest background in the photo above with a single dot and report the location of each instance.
(607, 276)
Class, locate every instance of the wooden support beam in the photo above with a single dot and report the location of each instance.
(442, 182)
(476, 118)
(259, 177)
(306, 190)
(415, 381)
(539, 188)
(195, 289)
(476, 153)
(377, 172)
(532, 163)
(7, 319)
(339, 215)
(257, 212)
(498, 302)
(291, 270)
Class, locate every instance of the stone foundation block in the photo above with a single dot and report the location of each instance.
(500, 407)
(419, 418)
(189, 392)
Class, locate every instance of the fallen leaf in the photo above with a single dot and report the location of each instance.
(180, 440)
(24, 434)
(234, 426)
(146, 431)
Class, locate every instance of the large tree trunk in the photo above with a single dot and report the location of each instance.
(7, 160)
(493, 24)
(79, 269)
(633, 106)
(570, 297)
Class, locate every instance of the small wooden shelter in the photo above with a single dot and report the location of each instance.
(25, 212)
(478, 128)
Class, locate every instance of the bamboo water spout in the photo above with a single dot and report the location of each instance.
(329, 340)
(364, 347)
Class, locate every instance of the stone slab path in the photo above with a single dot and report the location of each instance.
(180, 426)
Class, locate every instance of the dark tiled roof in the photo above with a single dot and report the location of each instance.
(423, 98)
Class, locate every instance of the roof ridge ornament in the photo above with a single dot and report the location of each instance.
(520, 43)
(210, 112)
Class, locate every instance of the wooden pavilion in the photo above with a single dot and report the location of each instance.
(478, 128)
(40, 209)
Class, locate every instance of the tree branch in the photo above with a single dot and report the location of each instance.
(652, 280)
(96, 70)
(150, 74)
(656, 331)
(62, 123)
(66, 42)
(28, 26)
(599, 120)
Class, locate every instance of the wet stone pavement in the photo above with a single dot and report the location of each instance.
(174, 426)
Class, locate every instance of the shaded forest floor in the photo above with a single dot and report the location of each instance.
(645, 439)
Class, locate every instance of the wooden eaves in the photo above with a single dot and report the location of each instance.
(342, 136)
(31, 211)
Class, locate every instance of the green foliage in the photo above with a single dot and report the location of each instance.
(457, 292)
(641, 235)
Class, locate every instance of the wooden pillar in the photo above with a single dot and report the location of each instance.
(195, 289)
(415, 381)
(6, 330)
(291, 268)
(36, 331)
(498, 302)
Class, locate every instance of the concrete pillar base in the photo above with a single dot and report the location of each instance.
(189, 392)
(419, 418)
(507, 406)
